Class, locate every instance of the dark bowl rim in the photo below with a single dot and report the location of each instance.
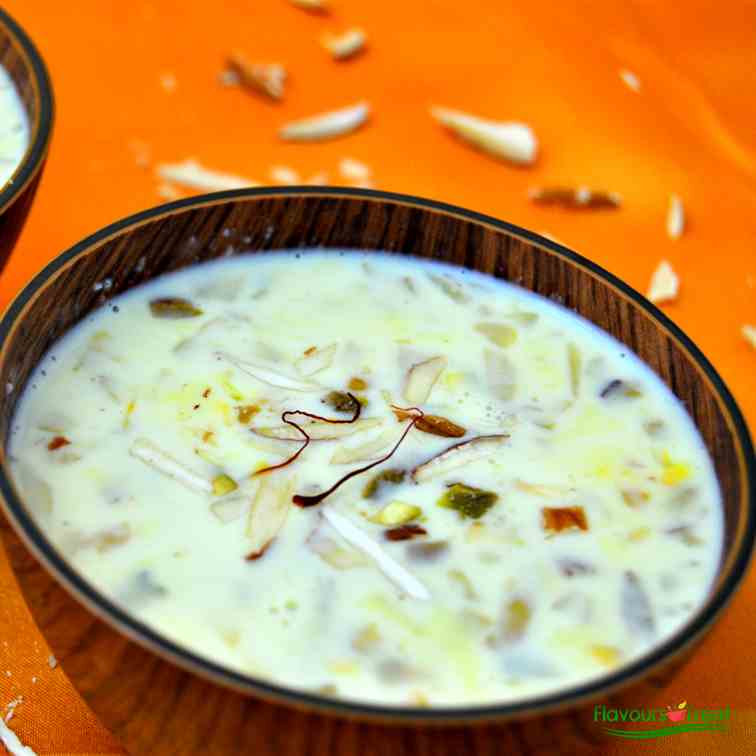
(39, 145)
(564, 698)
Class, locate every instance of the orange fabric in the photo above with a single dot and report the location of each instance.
(554, 65)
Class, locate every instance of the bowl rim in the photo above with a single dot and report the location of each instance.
(41, 129)
(674, 647)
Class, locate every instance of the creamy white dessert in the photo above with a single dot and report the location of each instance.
(14, 128)
(539, 508)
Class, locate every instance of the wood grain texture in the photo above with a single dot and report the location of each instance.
(154, 707)
(15, 202)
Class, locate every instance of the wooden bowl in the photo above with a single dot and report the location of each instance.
(27, 70)
(177, 235)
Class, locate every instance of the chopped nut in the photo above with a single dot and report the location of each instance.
(634, 497)
(421, 378)
(246, 412)
(464, 582)
(354, 170)
(517, 614)
(581, 198)
(429, 551)
(340, 401)
(433, 424)
(630, 79)
(574, 361)
(357, 384)
(749, 334)
(467, 500)
(223, 484)
(664, 284)
(327, 125)
(675, 217)
(511, 141)
(391, 476)
(268, 512)
(282, 174)
(636, 607)
(195, 176)
(317, 6)
(404, 532)
(173, 308)
(396, 513)
(571, 567)
(500, 334)
(57, 443)
(458, 455)
(264, 78)
(608, 656)
(559, 519)
(367, 638)
(346, 45)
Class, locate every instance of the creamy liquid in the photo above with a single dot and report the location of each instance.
(603, 538)
(14, 129)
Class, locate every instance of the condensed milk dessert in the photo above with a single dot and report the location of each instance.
(14, 129)
(371, 477)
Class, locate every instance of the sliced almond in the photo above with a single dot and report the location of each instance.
(191, 174)
(316, 360)
(282, 174)
(345, 45)
(264, 78)
(508, 140)
(317, 6)
(459, 455)
(675, 217)
(369, 450)
(749, 334)
(394, 571)
(630, 79)
(664, 284)
(268, 512)
(580, 198)
(269, 375)
(421, 378)
(326, 125)
(354, 170)
(500, 374)
(318, 431)
(151, 455)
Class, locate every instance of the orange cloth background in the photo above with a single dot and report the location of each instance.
(691, 130)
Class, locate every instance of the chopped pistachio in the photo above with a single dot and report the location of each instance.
(246, 412)
(392, 476)
(500, 334)
(173, 308)
(223, 484)
(607, 656)
(367, 638)
(517, 614)
(340, 401)
(468, 501)
(396, 513)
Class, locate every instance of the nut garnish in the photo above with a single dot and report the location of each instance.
(508, 140)
(664, 284)
(316, 6)
(326, 125)
(345, 45)
(749, 334)
(630, 79)
(191, 173)
(264, 78)
(282, 174)
(675, 217)
(581, 198)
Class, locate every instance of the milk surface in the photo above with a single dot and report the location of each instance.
(593, 533)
